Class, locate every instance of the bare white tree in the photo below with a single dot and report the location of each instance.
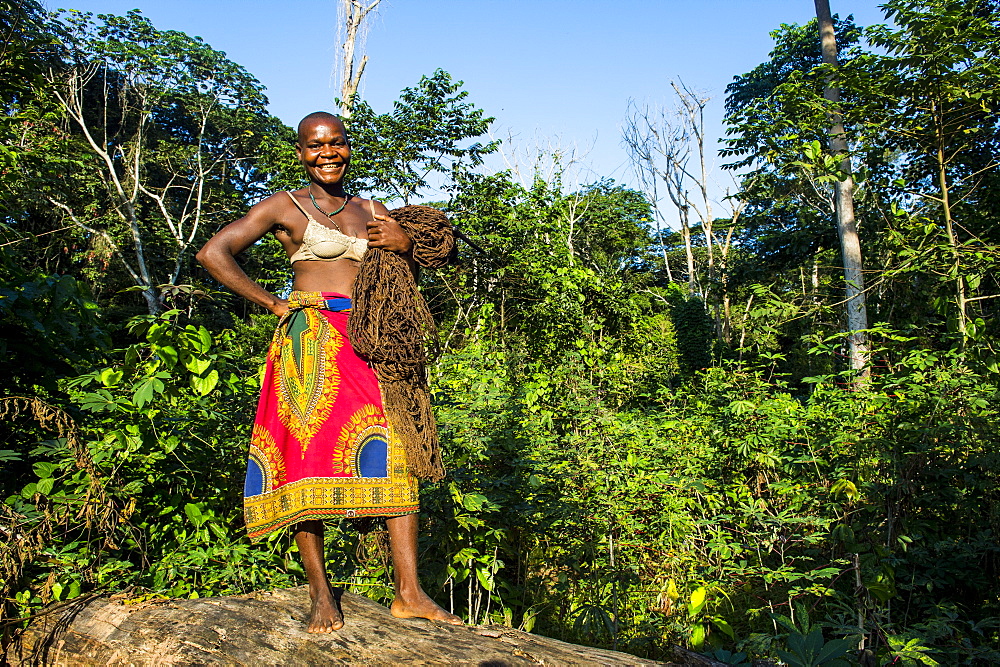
(162, 125)
(352, 32)
(667, 145)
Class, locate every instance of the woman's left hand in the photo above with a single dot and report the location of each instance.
(386, 234)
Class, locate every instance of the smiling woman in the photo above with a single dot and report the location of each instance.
(322, 443)
(324, 150)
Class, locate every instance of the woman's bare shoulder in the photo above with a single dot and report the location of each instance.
(278, 209)
(279, 201)
(369, 204)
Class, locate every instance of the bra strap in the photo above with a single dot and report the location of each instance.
(298, 205)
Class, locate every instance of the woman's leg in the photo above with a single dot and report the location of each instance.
(323, 616)
(411, 600)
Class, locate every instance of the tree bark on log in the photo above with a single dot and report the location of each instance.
(268, 628)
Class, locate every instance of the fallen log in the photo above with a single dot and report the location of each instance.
(268, 628)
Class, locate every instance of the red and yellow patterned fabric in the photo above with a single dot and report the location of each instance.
(321, 444)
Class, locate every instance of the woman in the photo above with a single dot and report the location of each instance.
(321, 444)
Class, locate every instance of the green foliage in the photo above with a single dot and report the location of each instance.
(624, 472)
(745, 496)
(811, 651)
(394, 153)
(148, 426)
(48, 326)
(166, 140)
(695, 332)
(23, 46)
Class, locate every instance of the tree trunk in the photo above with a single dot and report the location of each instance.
(961, 294)
(153, 303)
(686, 235)
(850, 244)
(350, 72)
(268, 628)
(663, 248)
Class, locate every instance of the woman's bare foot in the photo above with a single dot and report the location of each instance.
(421, 606)
(324, 616)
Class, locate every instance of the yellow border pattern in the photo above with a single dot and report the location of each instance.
(319, 497)
(367, 419)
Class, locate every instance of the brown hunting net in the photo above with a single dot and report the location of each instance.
(391, 325)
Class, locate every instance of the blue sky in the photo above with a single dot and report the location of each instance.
(552, 72)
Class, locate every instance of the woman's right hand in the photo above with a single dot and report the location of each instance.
(280, 308)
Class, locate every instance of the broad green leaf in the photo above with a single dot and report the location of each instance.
(881, 590)
(485, 579)
(697, 602)
(672, 591)
(473, 501)
(697, 636)
(194, 514)
(168, 354)
(204, 385)
(156, 332)
(44, 469)
(835, 648)
(845, 487)
(110, 377)
(143, 393)
(724, 627)
(197, 365)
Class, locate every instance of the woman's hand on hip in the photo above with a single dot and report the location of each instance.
(280, 308)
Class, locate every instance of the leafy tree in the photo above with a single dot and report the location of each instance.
(898, 107)
(772, 111)
(25, 54)
(778, 124)
(163, 132)
(49, 329)
(24, 48)
(396, 152)
(937, 86)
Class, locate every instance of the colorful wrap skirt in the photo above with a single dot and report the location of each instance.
(321, 444)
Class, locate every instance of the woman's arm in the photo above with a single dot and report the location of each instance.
(219, 253)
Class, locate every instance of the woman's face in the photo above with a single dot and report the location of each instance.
(324, 150)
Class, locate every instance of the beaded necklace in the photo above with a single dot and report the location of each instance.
(329, 215)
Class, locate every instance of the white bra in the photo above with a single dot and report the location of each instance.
(325, 244)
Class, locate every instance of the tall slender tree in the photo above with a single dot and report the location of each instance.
(847, 230)
(938, 83)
